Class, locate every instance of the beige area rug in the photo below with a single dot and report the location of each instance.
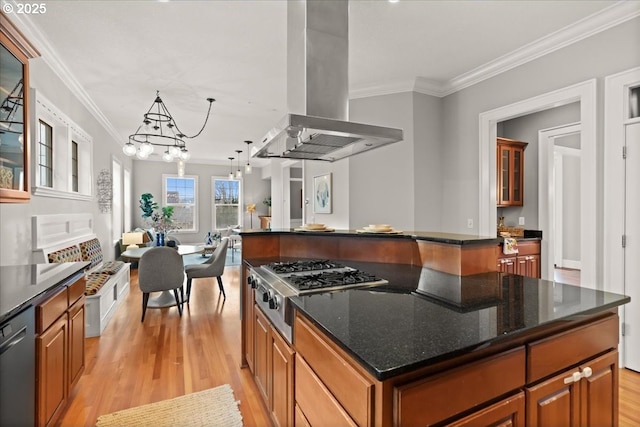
(213, 407)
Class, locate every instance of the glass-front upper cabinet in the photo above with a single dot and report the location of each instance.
(510, 166)
(15, 52)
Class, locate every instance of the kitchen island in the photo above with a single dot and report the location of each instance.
(430, 347)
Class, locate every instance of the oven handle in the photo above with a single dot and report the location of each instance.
(13, 340)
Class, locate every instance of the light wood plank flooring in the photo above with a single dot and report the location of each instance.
(567, 275)
(132, 363)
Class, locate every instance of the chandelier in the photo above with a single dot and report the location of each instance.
(159, 129)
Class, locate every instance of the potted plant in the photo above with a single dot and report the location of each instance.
(161, 220)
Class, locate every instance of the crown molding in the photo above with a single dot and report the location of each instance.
(603, 20)
(51, 58)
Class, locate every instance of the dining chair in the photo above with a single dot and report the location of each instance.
(161, 269)
(213, 267)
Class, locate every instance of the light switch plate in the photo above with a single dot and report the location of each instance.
(521, 220)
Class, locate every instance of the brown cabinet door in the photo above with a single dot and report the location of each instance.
(505, 413)
(585, 396)
(510, 168)
(76, 341)
(282, 357)
(528, 265)
(52, 391)
(554, 402)
(507, 265)
(249, 338)
(262, 362)
(599, 391)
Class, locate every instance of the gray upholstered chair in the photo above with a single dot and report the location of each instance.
(213, 267)
(161, 269)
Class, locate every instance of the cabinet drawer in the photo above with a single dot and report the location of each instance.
(352, 389)
(316, 404)
(459, 389)
(558, 352)
(50, 310)
(76, 290)
(529, 248)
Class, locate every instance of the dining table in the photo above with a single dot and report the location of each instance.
(166, 298)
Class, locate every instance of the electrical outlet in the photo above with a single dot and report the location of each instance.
(521, 220)
(470, 223)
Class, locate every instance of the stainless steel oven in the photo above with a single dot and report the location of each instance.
(275, 283)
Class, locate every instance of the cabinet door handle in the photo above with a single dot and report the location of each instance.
(587, 372)
(573, 378)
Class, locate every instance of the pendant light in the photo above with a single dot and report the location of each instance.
(247, 167)
(238, 172)
(231, 168)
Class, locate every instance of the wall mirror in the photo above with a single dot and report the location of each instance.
(15, 51)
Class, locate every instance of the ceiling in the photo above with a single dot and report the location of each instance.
(116, 54)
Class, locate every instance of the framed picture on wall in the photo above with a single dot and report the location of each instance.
(322, 193)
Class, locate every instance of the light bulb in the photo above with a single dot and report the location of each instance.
(174, 150)
(142, 155)
(185, 154)
(238, 173)
(247, 169)
(231, 176)
(146, 148)
(167, 157)
(129, 149)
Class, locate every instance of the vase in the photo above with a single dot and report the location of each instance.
(159, 239)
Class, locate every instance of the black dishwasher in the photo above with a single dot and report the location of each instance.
(17, 370)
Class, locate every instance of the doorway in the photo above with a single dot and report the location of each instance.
(622, 204)
(559, 213)
(585, 94)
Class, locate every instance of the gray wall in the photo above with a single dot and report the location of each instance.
(15, 218)
(526, 129)
(147, 178)
(571, 208)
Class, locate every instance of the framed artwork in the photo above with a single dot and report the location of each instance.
(322, 193)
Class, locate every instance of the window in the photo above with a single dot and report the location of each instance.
(45, 154)
(74, 166)
(227, 198)
(63, 161)
(181, 193)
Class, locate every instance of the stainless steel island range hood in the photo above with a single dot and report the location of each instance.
(318, 90)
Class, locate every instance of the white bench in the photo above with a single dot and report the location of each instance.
(107, 283)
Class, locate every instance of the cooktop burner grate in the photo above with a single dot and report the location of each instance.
(328, 279)
(303, 265)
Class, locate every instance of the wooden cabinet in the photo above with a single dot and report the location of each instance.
(331, 377)
(509, 412)
(582, 396)
(525, 263)
(60, 356)
(15, 51)
(510, 168)
(248, 340)
(273, 369)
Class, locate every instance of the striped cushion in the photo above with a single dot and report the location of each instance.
(91, 251)
(70, 254)
(111, 267)
(95, 282)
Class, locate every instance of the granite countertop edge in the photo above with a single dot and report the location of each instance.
(439, 237)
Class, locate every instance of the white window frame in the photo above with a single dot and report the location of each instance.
(214, 225)
(165, 202)
(64, 132)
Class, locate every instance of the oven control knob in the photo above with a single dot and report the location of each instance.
(273, 303)
(265, 296)
(252, 282)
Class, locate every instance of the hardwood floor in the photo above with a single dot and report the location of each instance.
(133, 363)
(567, 275)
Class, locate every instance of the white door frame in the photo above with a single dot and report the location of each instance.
(615, 120)
(585, 93)
(546, 199)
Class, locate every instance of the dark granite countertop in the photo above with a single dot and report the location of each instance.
(423, 316)
(21, 285)
(433, 236)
